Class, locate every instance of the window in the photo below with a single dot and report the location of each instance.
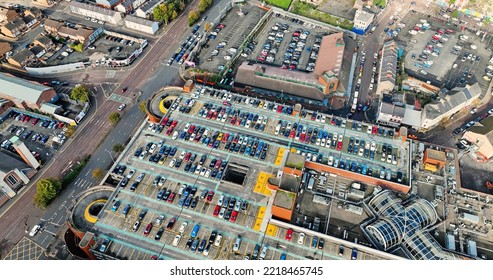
(12, 180)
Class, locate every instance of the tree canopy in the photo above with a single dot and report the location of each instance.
(193, 16)
(80, 93)
(118, 148)
(46, 190)
(114, 118)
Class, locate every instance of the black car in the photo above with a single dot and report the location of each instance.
(189, 242)
(321, 244)
(256, 251)
(159, 233)
(142, 214)
(160, 194)
(134, 186)
(123, 182)
(213, 236)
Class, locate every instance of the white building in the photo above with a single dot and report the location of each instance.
(141, 24)
(362, 21)
(448, 104)
(95, 12)
(390, 114)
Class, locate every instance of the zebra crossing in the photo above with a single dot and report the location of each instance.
(83, 184)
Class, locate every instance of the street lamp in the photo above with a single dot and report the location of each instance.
(112, 159)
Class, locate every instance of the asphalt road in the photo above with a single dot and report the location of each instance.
(148, 75)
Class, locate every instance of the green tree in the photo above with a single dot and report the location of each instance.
(455, 14)
(203, 5)
(142, 106)
(80, 93)
(118, 148)
(46, 190)
(174, 14)
(114, 118)
(193, 16)
(171, 8)
(160, 13)
(97, 173)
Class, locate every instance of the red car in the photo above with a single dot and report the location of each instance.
(339, 145)
(34, 121)
(191, 128)
(60, 125)
(302, 137)
(233, 121)
(210, 195)
(374, 130)
(164, 121)
(292, 134)
(233, 217)
(148, 229)
(174, 123)
(171, 198)
(279, 109)
(216, 210)
(187, 156)
(289, 234)
(225, 138)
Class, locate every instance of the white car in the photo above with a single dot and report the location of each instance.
(219, 238)
(368, 130)
(172, 162)
(331, 161)
(373, 146)
(221, 213)
(34, 230)
(153, 148)
(183, 227)
(131, 173)
(177, 239)
(202, 172)
(301, 238)
(207, 173)
(175, 135)
(182, 155)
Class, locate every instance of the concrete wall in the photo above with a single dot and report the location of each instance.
(359, 177)
(43, 71)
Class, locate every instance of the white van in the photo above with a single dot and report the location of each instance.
(34, 230)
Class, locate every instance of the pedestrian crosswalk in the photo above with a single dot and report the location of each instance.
(83, 184)
(120, 98)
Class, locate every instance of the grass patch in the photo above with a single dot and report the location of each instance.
(310, 11)
(283, 4)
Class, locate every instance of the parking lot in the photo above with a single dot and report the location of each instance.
(288, 44)
(227, 36)
(200, 167)
(37, 134)
(463, 56)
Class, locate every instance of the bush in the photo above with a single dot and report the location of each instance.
(70, 177)
(77, 47)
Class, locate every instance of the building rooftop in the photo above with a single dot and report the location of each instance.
(331, 46)
(4, 48)
(391, 109)
(389, 62)
(21, 89)
(436, 155)
(451, 100)
(149, 5)
(9, 162)
(93, 8)
(483, 127)
(284, 199)
(139, 20)
(363, 16)
(274, 78)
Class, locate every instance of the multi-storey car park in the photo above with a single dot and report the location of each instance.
(222, 176)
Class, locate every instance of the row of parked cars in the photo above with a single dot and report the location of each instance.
(228, 208)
